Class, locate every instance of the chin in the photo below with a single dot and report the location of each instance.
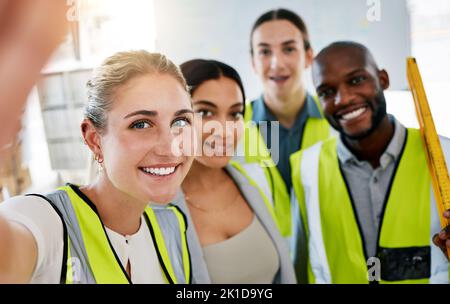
(361, 134)
(162, 198)
(216, 162)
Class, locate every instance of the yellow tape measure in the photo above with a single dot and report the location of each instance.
(435, 156)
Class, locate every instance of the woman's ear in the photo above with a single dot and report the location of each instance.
(309, 57)
(91, 137)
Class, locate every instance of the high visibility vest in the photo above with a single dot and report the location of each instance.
(246, 170)
(336, 252)
(255, 150)
(88, 256)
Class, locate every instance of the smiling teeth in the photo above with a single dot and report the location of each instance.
(353, 114)
(159, 171)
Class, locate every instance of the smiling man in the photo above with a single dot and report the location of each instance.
(366, 194)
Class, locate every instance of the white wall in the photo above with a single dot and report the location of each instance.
(220, 30)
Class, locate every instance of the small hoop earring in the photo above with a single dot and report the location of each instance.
(98, 159)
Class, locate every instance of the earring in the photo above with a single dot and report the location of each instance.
(98, 159)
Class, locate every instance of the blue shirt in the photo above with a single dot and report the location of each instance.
(289, 139)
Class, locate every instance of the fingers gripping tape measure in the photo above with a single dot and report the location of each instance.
(435, 156)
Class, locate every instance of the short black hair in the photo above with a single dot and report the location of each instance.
(197, 71)
(347, 44)
(282, 14)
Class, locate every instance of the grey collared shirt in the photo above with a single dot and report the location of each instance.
(289, 138)
(368, 186)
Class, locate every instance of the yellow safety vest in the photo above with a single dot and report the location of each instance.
(335, 245)
(256, 151)
(88, 254)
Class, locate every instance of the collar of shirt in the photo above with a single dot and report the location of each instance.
(262, 113)
(392, 151)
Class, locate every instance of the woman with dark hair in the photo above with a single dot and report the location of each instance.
(281, 52)
(233, 237)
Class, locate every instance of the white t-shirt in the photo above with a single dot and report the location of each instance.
(44, 223)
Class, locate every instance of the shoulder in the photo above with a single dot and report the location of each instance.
(24, 203)
(38, 216)
(33, 211)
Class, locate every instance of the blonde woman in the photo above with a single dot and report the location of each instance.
(104, 232)
(234, 237)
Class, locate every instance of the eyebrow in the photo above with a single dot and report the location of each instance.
(206, 103)
(184, 111)
(349, 74)
(264, 44)
(154, 113)
(288, 42)
(209, 103)
(142, 112)
(238, 104)
(356, 72)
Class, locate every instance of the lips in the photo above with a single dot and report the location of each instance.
(351, 113)
(160, 170)
(279, 78)
(219, 148)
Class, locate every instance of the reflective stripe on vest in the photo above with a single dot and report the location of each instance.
(335, 242)
(88, 254)
(255, 149)
(252, 171)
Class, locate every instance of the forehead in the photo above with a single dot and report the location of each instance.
(223, 91)
(276, 32)
(340, 62)
(151, 92)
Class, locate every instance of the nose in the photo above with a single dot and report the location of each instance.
(344, 96)
(276, 60)
(165, 144)
(222, 129)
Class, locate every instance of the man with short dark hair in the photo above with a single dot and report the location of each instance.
(366, 197)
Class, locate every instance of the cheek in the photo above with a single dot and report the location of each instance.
(261, 65)
(238, 132)
(121, 148)
(328, 108)
(297, 62)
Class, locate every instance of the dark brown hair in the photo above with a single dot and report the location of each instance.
(282, 14)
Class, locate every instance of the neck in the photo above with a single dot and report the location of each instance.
(371, 148)
(117, 210)
(286, 108)
(203, 178)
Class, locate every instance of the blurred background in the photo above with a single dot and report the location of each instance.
(52, 152)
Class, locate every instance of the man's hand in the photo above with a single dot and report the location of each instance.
(442, 239)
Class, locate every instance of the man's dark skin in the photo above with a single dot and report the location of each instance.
(350, 87)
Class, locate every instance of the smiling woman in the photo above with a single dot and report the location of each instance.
(233, 236)
(99, 233)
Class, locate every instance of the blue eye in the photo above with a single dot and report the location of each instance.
(140, 125)
(181, 123)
